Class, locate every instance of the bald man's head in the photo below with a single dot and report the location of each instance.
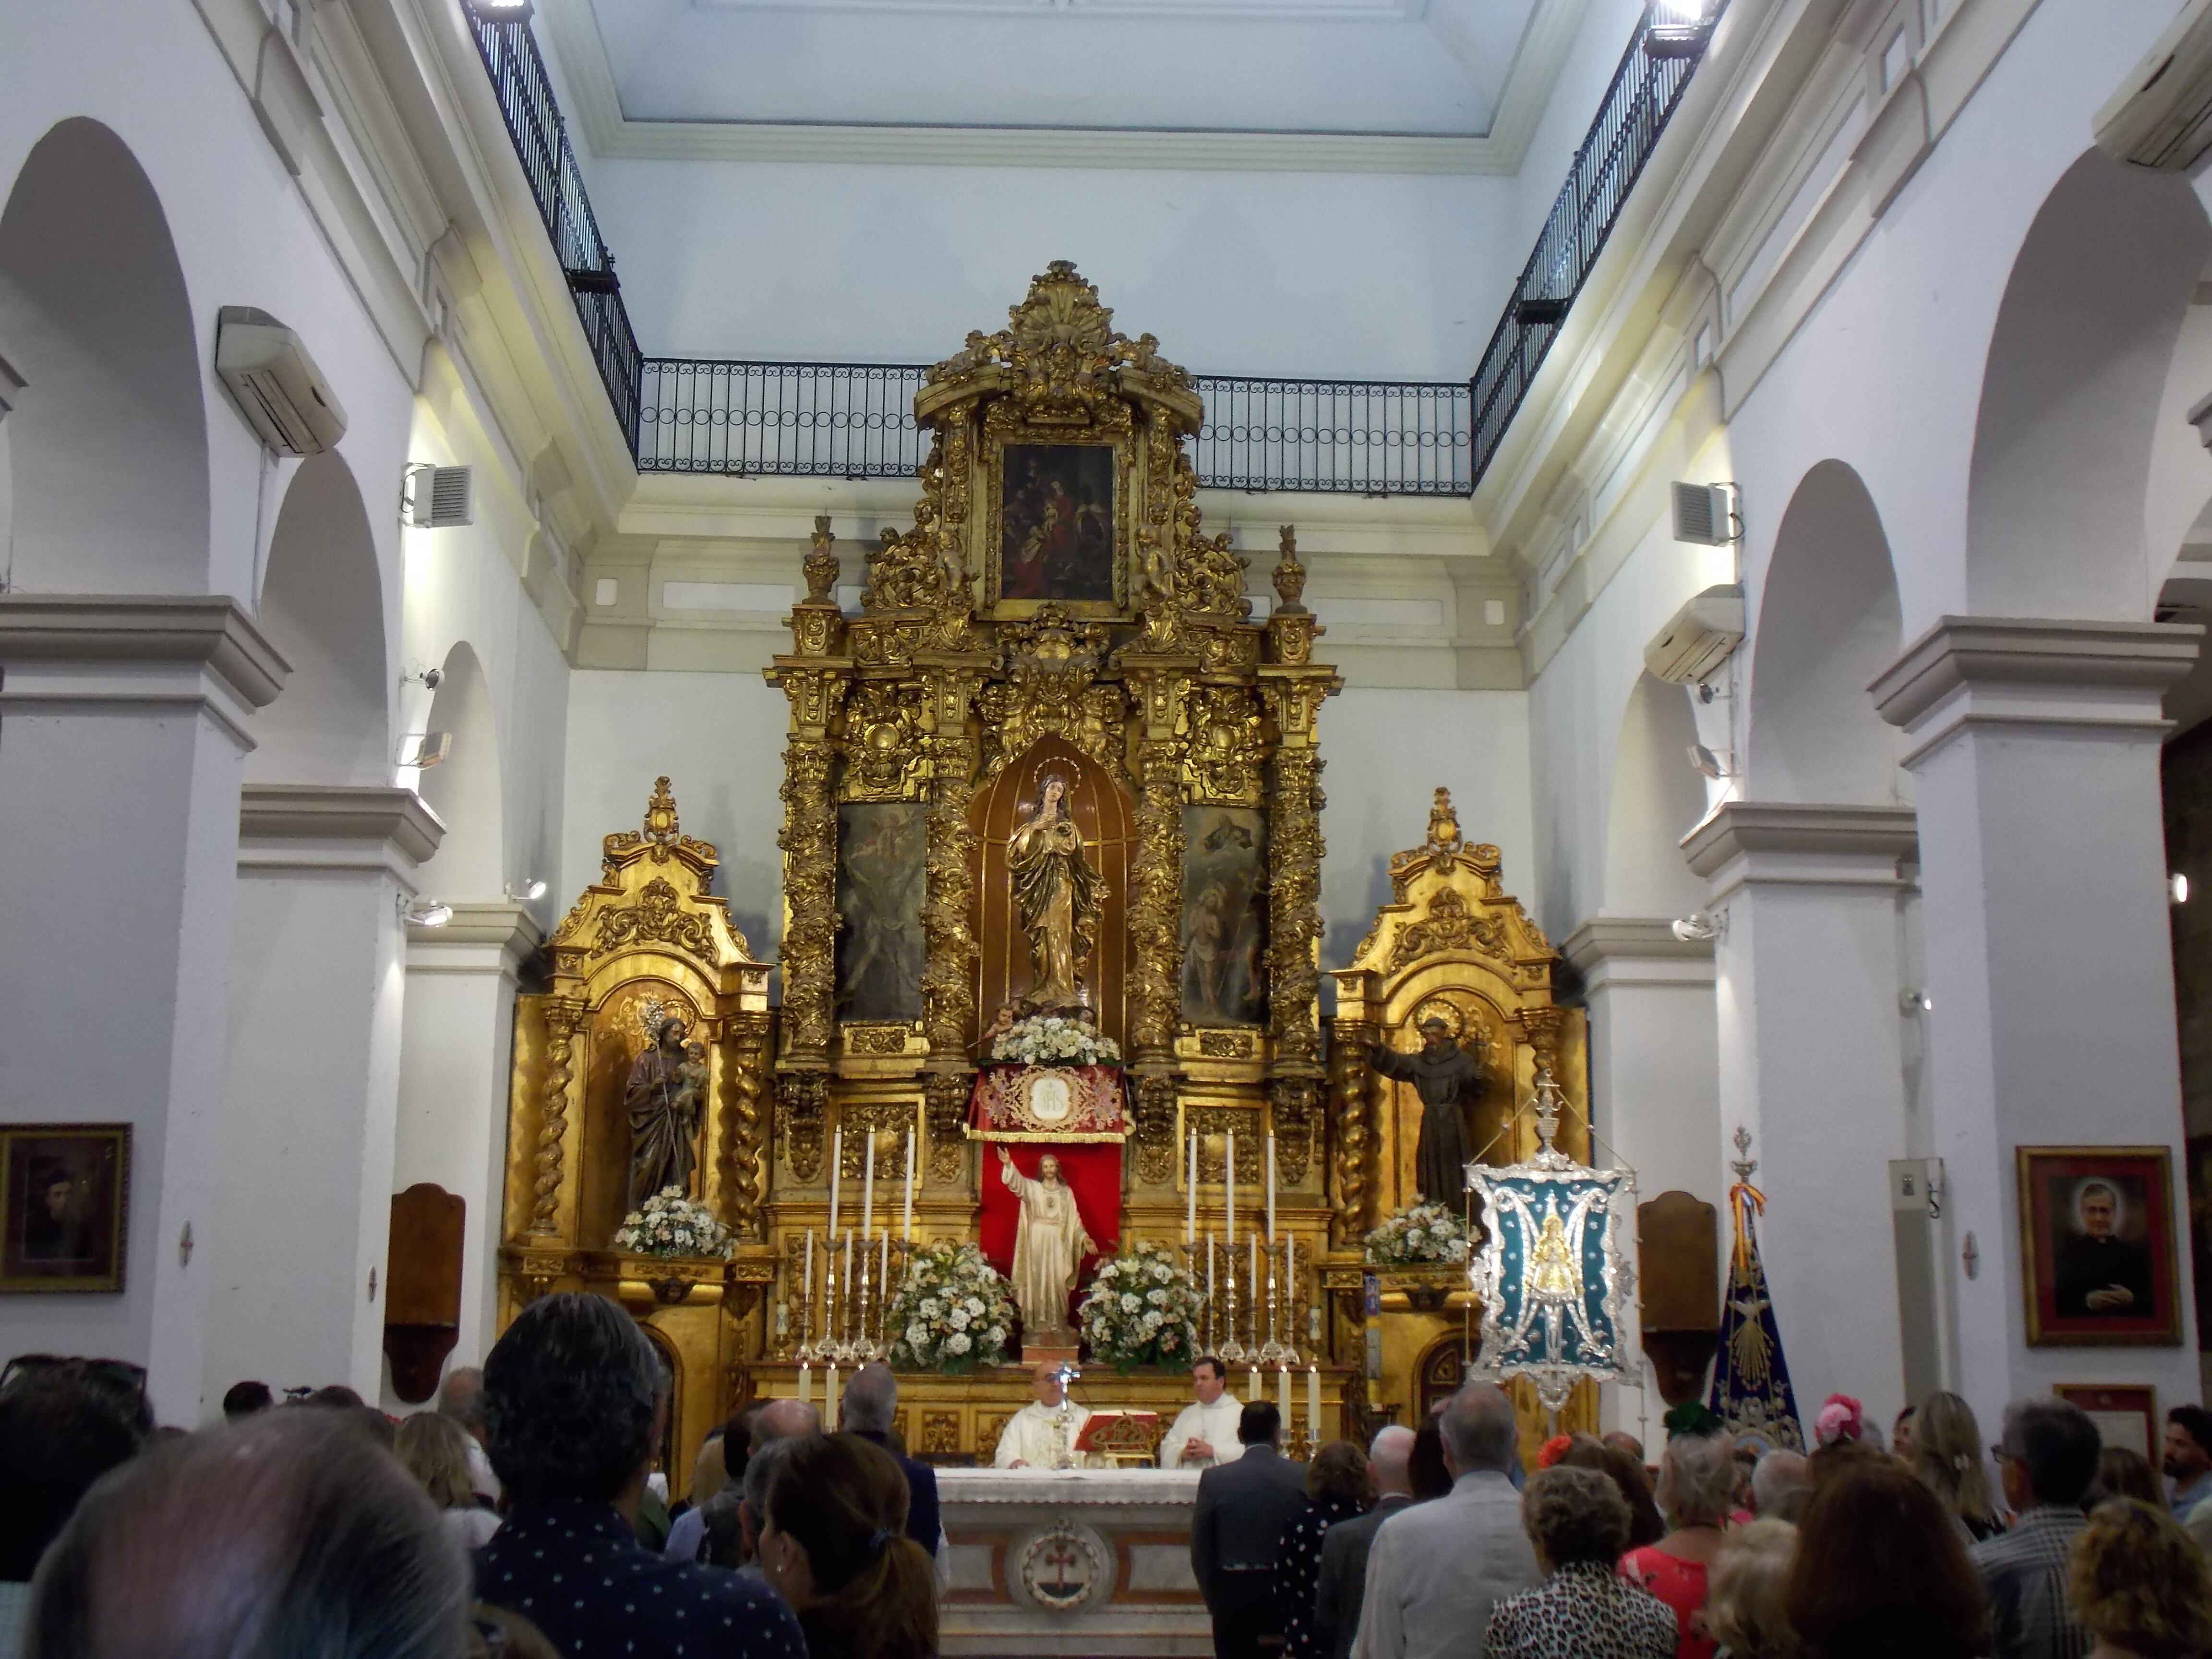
(785, 1419)
(1391, 1458)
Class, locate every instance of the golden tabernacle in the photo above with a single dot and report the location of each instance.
(1050, 980)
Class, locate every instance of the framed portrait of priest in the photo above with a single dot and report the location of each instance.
(1055, 529)
(2097, 1249)
(65, 1208)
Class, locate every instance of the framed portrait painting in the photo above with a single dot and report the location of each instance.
(1057, 521)
(64, 1210)
(2097, 1246)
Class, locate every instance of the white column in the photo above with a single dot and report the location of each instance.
(1811, 1061)
(123, 722)
(312, 1084)
(456, 1037)
(1654, 1085)
(2035, 745)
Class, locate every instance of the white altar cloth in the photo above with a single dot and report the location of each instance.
(1071, 1562)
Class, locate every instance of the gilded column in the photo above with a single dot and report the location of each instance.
(746, 1058)
(1158, 685)
(1350, 1132)
(948, 979)
(563, 1015)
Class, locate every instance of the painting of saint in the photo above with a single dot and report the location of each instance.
(64, 1207)
(1056, 521)
(1225, 916)
(880, 877)
(2100, 1245)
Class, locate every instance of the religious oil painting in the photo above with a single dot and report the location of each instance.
(1225, 916)
(2098, 1248)
(881, 852)
(1056, 523)
(64, 1210)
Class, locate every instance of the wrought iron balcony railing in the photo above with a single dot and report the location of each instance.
(856, 420)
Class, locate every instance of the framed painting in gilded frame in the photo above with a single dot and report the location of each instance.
(64, 1205)
(1057, 524)
(2126, 1414)
(2100, 1266)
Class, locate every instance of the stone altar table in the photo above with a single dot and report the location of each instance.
(1081, 1564)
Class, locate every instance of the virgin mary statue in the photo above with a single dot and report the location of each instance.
(1056, 894)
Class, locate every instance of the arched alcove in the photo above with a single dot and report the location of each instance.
(464, 791)
(2070, 395)
(108, 437)
(1828, 623)
(322, 605)
(1657, 796)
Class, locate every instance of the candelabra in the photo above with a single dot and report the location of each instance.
(1232, 1350)
(1275, 1352)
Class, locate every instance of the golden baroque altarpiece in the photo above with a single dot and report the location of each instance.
(1056, 612)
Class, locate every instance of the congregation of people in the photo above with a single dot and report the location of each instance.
(521, 1517)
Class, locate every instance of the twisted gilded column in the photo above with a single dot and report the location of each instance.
(1351, 1124)
(746, 1062)
(1157, 685)
(563, 1015)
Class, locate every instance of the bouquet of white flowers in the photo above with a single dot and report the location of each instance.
(1418, 1235)
(1053, 1040)
(669, 1224)
(1143, 1308)
(951, 1311)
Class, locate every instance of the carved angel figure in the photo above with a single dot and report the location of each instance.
(1057, 894)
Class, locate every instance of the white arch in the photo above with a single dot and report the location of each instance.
(108, 438)
(322, 605)
(1828, 623)
(464, 791)
(1657, 796)
(2063, 436)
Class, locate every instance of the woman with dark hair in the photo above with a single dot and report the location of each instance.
(836, 1548)
(1646, 1524)
(1338, 1487)
(1430, 1476)
(1882, 1572)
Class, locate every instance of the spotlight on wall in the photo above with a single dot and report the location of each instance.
(424, 749)
(426, 912)
(1914, 1000)
(2177, 889)
(1715, 766)
(1699, 927)
(428, 678)
(532, 888)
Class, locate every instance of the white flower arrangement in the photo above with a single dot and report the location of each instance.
(1054, 1040)
(1417, 1235)
(951, 1312)
(1143, 1308)
(669, 1224)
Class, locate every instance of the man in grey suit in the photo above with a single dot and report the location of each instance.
(1343, 1582)
(1243, 1508)
(1437, 1569)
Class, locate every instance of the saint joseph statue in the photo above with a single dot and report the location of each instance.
(663, 1096)
(1049, 1244)
(1057, 894)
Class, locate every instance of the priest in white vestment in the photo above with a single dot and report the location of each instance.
(1205, 1433)
(1049, 1244)
(1037, 1436)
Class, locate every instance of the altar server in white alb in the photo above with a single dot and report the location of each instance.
(1205, 1434)
(1038, 1436)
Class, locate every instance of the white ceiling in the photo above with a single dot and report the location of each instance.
(1432, 69)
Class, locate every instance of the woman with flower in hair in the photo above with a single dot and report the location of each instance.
(1946, 1456)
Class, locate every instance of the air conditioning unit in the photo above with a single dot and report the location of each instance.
(2161, 115)
(1698, 638)
(1704, 515)
(275, 383)
(440, 497)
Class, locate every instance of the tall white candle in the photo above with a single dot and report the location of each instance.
(884, 1283)
(906, 1228)
(805, 1382)
(1285, 1405)
(1209, 1270)
(868, 1184)
(806, 1306)
(1270, 1186)
(846, 1323)
(1313, 1404)
(1253, 1239)
(836, 1179)
(1229, 1195)
(829, 1397)
(1190, 1214)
